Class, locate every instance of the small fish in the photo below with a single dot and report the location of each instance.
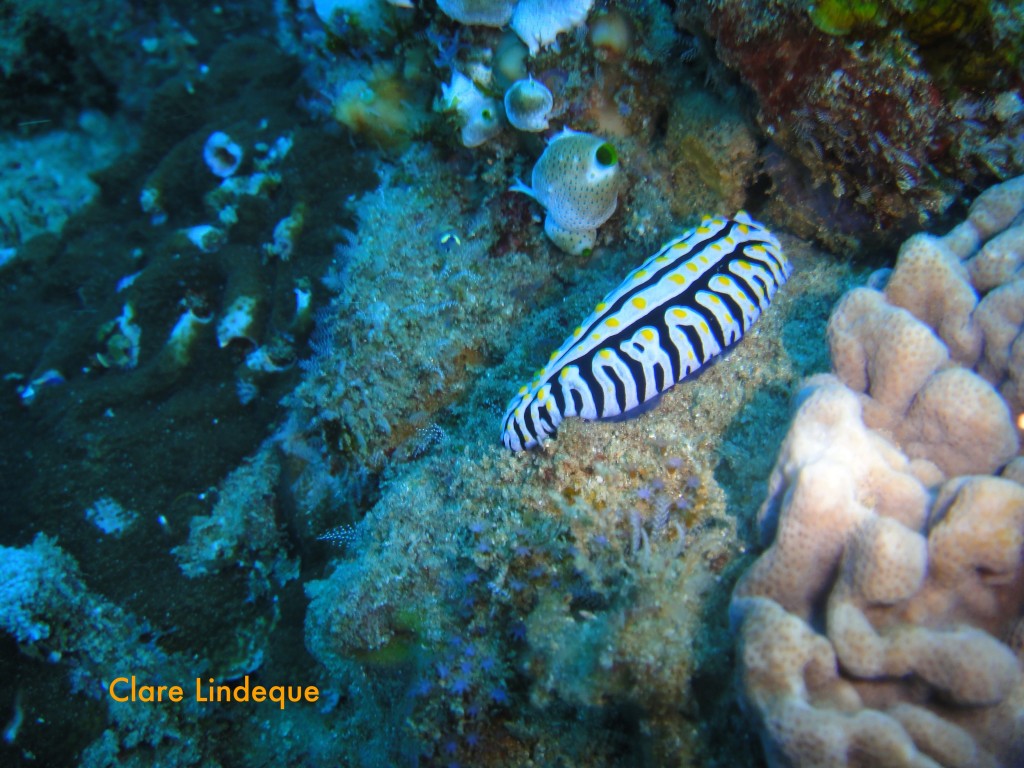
(687, 303)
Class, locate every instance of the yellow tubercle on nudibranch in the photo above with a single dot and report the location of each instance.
(656, 328)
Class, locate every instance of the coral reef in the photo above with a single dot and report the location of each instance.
(885, 612)
(254, 383)
(49, 610)
(496, 595)
(117, 383)
(58, 61)
(880, 103)
(387, 363)
(182, 278)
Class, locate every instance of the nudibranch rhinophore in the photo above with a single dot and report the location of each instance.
(687, 303)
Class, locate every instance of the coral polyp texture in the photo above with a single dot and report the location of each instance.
(255, 385)
(883, 621)
(880, 103)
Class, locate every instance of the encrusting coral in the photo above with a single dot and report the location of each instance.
(48, 608)
(869, 88)
(882, 622)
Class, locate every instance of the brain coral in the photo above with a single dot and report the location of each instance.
(883, 624)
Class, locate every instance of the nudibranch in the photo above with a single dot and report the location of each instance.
(687, 303)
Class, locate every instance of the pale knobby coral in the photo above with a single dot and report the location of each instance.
(576, 181)
(889, 528)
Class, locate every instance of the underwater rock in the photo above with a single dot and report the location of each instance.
(575, 180)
